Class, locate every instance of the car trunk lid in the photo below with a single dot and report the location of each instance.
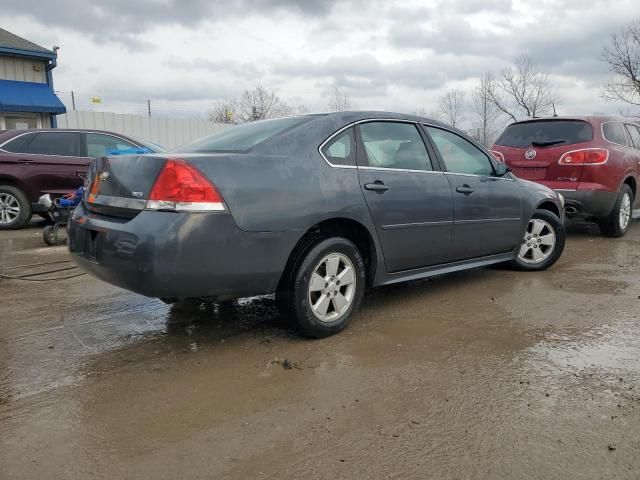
(120, 186)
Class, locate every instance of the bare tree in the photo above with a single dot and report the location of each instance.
(451, 106)
(260, 104)
(486, 113)
(623, 56)
(340, 102)
(522, 90)
(224, 111)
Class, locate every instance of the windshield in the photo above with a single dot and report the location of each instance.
(240, 138)
(547, 133)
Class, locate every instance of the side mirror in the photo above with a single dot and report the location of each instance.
(502, 170)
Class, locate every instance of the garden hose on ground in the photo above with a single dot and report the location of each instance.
(29, 277)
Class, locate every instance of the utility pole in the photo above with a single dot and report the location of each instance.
(73, 101)
(149, 107)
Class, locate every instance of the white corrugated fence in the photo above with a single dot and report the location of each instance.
(167, 132)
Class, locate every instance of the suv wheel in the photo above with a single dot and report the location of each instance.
(542, 244)
(617, 223)
(326, 287)
(15, 209)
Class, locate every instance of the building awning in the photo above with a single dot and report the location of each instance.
(28, 97)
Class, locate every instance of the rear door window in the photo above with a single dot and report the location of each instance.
(546, 133)
(394, 145)
(634, 133)
(56, 143)
(615, 133)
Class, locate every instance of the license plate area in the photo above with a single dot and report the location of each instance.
(533, 173)
(86, 244)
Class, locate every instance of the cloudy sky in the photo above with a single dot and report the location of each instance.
(399, 55)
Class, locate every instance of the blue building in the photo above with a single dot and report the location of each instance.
(27, 99)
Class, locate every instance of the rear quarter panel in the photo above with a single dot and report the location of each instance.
(278, 192)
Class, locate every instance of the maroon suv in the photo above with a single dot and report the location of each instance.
(35, 162)
(594, 162)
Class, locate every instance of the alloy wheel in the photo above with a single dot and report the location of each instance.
(332, 287)
(9, 208)
(538, 243)
(625, 211)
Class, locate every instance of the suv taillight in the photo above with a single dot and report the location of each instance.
(181, 187)
(585, 156)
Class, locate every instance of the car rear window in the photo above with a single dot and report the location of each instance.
(546, 133)
(242, 137)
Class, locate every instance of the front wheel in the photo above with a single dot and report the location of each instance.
(326, 287)
(617, 223)
(542, 244)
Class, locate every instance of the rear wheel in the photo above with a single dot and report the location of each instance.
(542, 244)
(326, 287)
(15, 209)
(617, 223)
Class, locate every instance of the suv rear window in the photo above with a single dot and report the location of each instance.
(242, 137)
(546, 133)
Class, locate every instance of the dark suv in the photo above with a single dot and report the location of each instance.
(34, 162)
(594, 162)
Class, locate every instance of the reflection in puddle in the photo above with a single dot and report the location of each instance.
(611, 348)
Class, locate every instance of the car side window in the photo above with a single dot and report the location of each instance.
(460, 155)
(19, 144)
(341, 149)
(394, 145)
(56, 143)
(634, 133)
(99, 145)
(615, 133)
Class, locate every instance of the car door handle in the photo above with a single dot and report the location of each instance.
(465, 189)
(376, 186)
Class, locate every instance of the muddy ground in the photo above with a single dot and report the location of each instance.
(482, 374)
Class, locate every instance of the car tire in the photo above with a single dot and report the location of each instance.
(11, 198)
(50, 235)
(542, 244)
(326, 286)
(617, 223)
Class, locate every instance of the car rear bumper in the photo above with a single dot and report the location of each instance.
(588, 203)
(179, 255)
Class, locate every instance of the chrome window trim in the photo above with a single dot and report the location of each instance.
(368, 120)
(331, 137)
(509, 179)
(408, 170)
(32, 132)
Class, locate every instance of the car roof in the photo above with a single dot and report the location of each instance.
(584, 118)
(356, 115)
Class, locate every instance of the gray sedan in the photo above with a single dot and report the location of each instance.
(315, 208)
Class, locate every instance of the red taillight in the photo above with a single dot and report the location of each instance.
(180, 186)
(587, 156)
(497, 155)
